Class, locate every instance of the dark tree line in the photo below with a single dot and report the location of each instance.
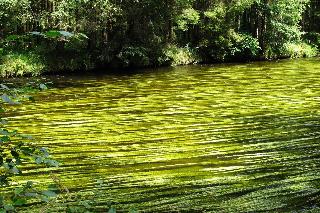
(150, 33)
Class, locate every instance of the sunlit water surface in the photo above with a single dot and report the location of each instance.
(222, 138)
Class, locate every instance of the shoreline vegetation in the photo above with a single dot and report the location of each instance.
(38, 37)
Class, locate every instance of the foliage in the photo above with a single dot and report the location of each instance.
(312, 38)
(180, 55)
(244, 47)
(134, 56)
(293, 50)
(21, 64)
(134, 33)
(36, 52)
(189, 17)
(15, 150)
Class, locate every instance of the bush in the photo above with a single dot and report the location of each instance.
(16, 150)
(20, 64)
(180, 55)
(293, 50)
(133, 56)
(244, 47)
(312, 38)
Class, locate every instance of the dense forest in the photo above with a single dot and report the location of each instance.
(54, 35)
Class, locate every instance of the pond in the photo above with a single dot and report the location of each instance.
(220, 138)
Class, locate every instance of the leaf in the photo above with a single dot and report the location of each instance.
(38, 160)
(36, 33)
(45, 199)
(1, 110)
(31, 98)
(49, 193)
(19, 202)
(53, 187)
(112, 210)
(43, 87)
(81, 35)
(15, 154)
(52, 163)
(66, 34)
(5, 98)
(15, 170)
(85, 204)
(4, 132)
(8, 207)
(31, 194)
(4, 139)
(4, 87)
(12, 38)
(3, 121)
(99, 181)
(18, 191)
(29, 184)
(28, 137)
(52, 34)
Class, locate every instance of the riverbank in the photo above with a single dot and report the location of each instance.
(71, 36)
(15, 63)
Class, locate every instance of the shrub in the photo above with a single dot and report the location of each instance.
(298, 50)
(19, 64)
(180, 55)
(312, 38)
(244, 47)
(134, 56)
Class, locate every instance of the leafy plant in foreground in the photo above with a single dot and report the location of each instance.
(16, 150)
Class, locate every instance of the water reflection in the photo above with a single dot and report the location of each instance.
(225, 138)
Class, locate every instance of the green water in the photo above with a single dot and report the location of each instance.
(223, 138)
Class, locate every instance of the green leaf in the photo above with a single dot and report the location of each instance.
(4, 139)
(28, 185)
(19, 202)
(8, 207)
(2, 86)
(12, 38)
(53, 187)
(112, 210)
(52, 34)
(31, 98)
(44, 198)
(85, 204)
(3, 121)
(52, 163)
(31, 194)
(83, 35)
(66, 34)
(43, 87)
(15, 154)
(4, 132)
(5, 98)
(36, 33)
(28, 137)
(49, 193)
(18, 191)
(38, 160)
(15, 170)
